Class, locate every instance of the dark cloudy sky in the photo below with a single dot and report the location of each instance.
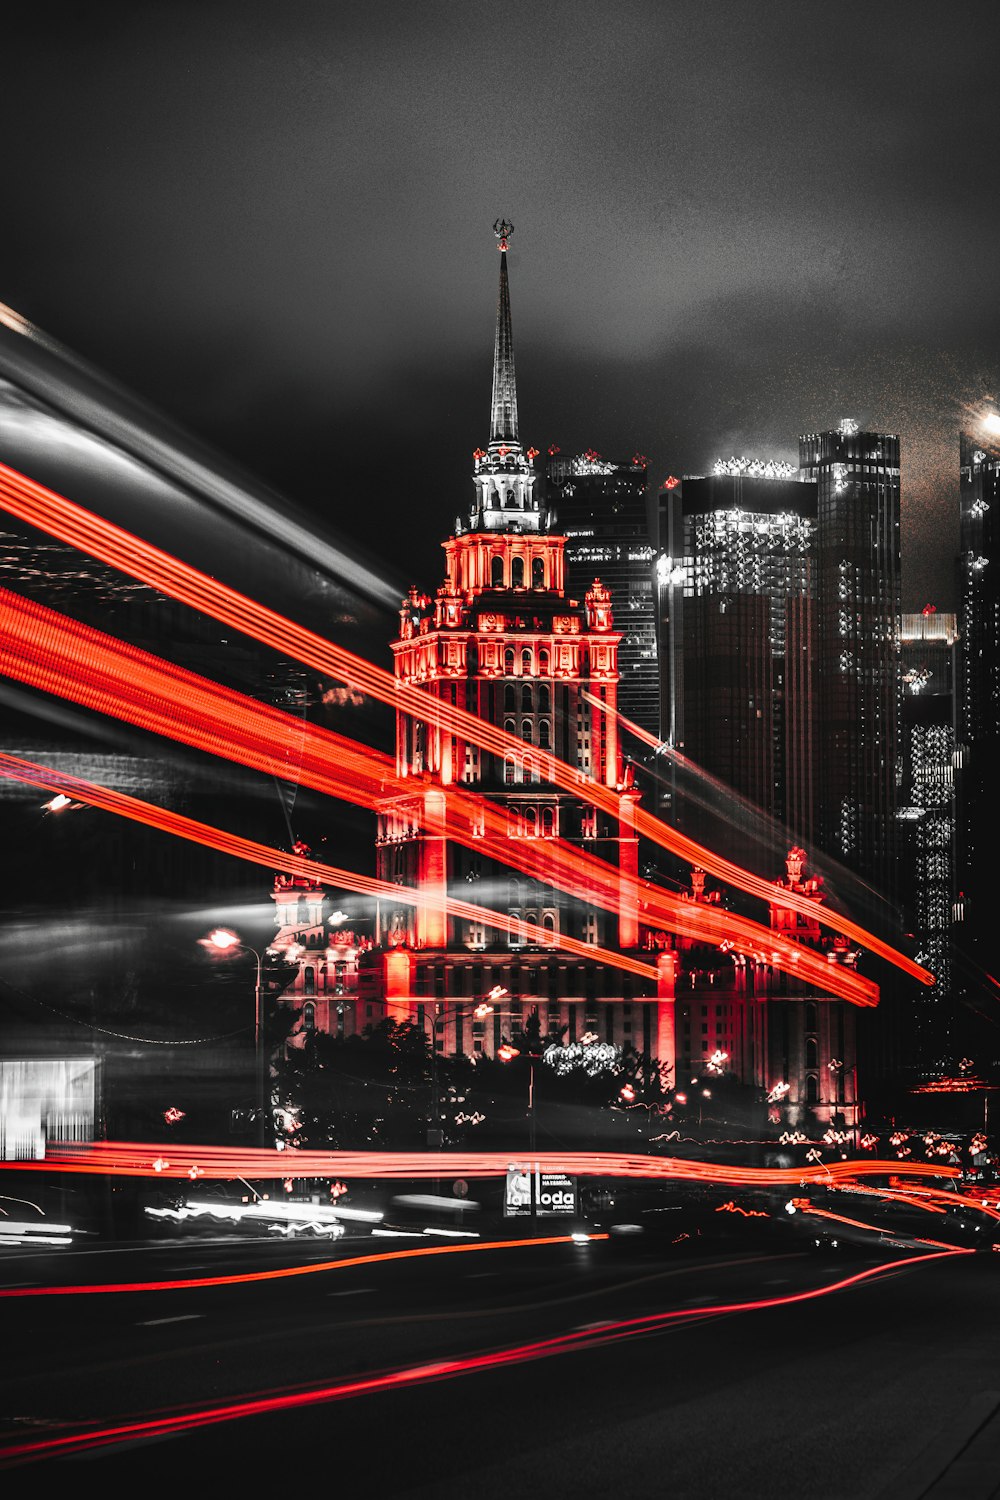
(734, 222)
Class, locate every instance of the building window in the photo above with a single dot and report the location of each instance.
(537, 573)
(529, 769)
(517, 573)
(526, 731)
(543, 698)
(526, 704)
(496, 573)
(509, 698)
(525, 663)
(509, 726)
(509, 770)
(812, 1089)
(530, 822)
(548, 822)
(544, 738)
(309, 981)
(309, 1016)
(543, 661)
(508, 662)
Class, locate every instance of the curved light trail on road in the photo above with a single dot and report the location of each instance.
(174, 1424)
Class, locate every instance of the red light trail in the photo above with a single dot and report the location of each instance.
(59, 655)
(276, 859)
(175, 1423)
(138, 1159)
(346, 1264)
(60, 517)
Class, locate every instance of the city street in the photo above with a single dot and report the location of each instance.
(847, 1388)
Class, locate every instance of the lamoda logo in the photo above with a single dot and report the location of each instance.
(545, 1192)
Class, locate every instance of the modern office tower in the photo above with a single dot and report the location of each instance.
(736, 578)
(927, 820)
(857, 635)
(979, 685)
(600, 507)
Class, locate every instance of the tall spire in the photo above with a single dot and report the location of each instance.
(504, 476)
(503, 421)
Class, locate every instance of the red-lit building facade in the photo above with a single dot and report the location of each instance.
(502, 639)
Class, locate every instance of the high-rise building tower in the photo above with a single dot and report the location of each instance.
(739, 568)
(979, 683)
(857, 633)
(503, 640)
(927, 821)
(600, 508)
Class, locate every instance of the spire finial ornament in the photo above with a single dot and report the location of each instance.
(503, 230)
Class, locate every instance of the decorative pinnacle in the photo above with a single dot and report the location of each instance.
(503, 231)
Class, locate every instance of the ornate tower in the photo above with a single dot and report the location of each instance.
(502, 640)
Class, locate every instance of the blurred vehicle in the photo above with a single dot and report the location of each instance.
(430, 1214)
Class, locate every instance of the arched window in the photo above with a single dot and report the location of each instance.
(309, 981)
(812, 1059)
(526, 731)
(513, 893)
(496, 572)
(812, 1089)
(510, 726)
(309, 1017)
(515, 929)
(509, 770)
(811, 1015)
(526, 663)
(543, 734)
(509, 698)
(548, 822)
(537, 573)
(530, 822)
(517, 573)
(508, 662)
(544, 698)
(543, 661)
(526, 704)
(529, 769)
(549, 923)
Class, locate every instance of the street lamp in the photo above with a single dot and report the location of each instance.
(479, 1013)
(223, 940)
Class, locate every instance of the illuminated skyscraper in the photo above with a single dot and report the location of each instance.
(738, 571)
(857, 635)
(601, 508)
(979, 684)
(927, 819)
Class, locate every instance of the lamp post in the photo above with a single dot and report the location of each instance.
(222, 940)
(479, 1013)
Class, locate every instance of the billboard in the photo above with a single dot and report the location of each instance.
(529, 1190)
(45, 1099)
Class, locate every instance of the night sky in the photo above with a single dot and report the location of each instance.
(734, 223)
